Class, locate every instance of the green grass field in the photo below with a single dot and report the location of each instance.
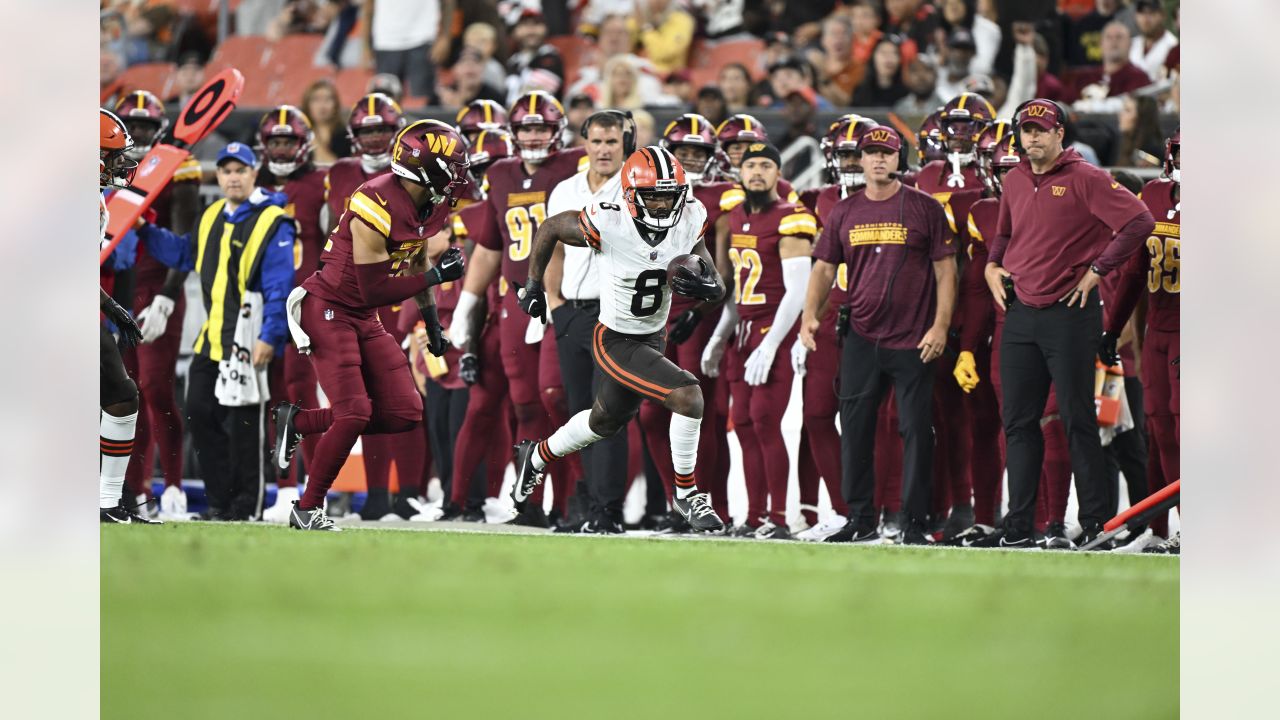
(237, 622)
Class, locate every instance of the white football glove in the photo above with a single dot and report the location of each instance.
(759, 363)
(711, 357)
(155, 318)
(460, 326)
(799, 353)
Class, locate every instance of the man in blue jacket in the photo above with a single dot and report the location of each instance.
(244, 243)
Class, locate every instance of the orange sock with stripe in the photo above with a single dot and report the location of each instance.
(570, 438)
(116, 444)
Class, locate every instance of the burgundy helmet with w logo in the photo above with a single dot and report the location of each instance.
(692, 130)
(537, 109)
(433, 155)
(372, 128)
(288, 123)
(143, 114)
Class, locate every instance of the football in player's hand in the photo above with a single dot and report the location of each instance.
(691, 263)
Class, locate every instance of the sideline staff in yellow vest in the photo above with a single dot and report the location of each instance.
(244, 243)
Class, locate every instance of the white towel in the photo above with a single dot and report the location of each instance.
(293, 311)
(239, 382)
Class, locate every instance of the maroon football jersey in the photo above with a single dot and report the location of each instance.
(306, 194)
(471, 222)
(384, 205)
(826, 200)
(1162, 262)
(709, 196)
(934, 178)
(753, 248)
(978, 306)
(344, 177)
(518, 202)
(732, 194)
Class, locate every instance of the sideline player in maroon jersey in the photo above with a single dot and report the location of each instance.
(157, 296)
(691, 139)
(1161, 268)
(477, 116)
(517, 197)
(361, 368)
(820, 369)
(284, 141)
(484, 436)
(769, 246)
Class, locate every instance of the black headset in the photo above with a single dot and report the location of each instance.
(1063, 118)
(629, 129)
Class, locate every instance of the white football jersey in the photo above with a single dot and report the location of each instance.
(634, 296)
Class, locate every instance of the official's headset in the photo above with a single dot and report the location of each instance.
(629, 128)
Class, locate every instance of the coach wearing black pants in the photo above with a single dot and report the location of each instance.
(903, 281)
(1064, 224)
(573, 294)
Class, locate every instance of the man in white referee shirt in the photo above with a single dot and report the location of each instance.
(573, 295)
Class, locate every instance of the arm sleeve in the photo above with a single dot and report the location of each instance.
(1004, 229)
(171, 249)
(1129, 287)
(1124, 213)
(976, 309)
(378, 287)
(276, 280)
(795, 277)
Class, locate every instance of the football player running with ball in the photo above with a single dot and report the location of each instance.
(636, 242)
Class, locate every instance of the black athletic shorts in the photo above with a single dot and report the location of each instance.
(114, 385)
(636, 364)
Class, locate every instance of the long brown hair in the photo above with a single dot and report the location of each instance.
(334, 125)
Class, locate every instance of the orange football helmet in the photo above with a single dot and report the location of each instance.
(651, 177)
(115, 167)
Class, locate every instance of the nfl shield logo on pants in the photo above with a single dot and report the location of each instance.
(328, 314)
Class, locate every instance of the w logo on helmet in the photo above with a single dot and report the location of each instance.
(441, 145)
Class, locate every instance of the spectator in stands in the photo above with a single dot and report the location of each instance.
(711, 104)
(616, 40)
(1154, 41)
(913, 20)
(1141, 139)
(1031, 76)
(1173, 61)
(777, 47)
(957, 57)
(304, 17)
(322, 107)
(484, 37)
(1084, 36)
(666, 32)
(963, 15)
(645, 128)
(882, 86)
(922, 82)
(799, 110)
(787, 77)
(1101, 87)
(533, 65)
(723, 17)
(800, 20)
(577, 110)
(408, 39)
(253, 17)
(468, 82)
(621, 88)
(838, 74)
(387, 84)
(110, 67)
(187, 79)
(734, 81)
(866, 31)
(679, 87)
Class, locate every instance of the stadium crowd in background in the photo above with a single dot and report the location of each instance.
(937, 75)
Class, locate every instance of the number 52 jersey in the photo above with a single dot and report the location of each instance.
(634, 296)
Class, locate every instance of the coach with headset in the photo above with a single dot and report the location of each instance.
(902, 280)
(1064, 224)
(573, 296)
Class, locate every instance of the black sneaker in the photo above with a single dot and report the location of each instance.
(565, 525)
(774, 532)
(311, 520)
(473, 515)
(287, 437)
(673, 523)
(121, 515)
(450, 513)
(851, 533)
(1008, 540)
(376, 504)
(1172, 546)
(697, 511)
(407, 507)
(527, 478)
(970, 537)
(1055, 538)
(915, 535)
(960, 519)
(604, 524)
(1089, 535)
(530, 515)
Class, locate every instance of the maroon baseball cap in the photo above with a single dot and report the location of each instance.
(1044, 114)
(881, 137)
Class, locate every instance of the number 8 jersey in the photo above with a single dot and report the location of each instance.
(635, 298)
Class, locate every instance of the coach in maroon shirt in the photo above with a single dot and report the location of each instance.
(900, 255)
(1064, 224)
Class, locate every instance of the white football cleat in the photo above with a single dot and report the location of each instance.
(824, 529)
(285, 499)
(173, 504)
(496, 512)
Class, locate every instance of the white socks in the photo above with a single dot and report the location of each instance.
(116, 442)
(684, 435)
(570, 438)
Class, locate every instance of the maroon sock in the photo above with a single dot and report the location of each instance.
(753, 472)
(335, 445)
(809, 476)
(376, 452)
(824, 445)
(719, 477)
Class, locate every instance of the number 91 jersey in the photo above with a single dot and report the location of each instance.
(634, 296)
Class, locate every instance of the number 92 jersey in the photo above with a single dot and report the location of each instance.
(634, 295)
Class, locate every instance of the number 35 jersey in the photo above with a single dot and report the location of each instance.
(635, 298)
(519, 205)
